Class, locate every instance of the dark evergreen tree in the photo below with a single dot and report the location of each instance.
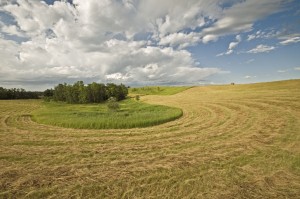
(18, 93)
(48, 93)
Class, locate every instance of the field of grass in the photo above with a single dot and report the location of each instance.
(158, 90)
(238, 141)
(132, 114)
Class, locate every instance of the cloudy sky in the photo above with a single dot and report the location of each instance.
(148, 42)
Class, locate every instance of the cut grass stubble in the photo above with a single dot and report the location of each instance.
(233, 141)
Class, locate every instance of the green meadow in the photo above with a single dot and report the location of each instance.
(132, 114)
(158, 90)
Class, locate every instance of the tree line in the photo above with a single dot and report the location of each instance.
(91, 93)
(18, 93)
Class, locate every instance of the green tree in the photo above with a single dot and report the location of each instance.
(3, 93)
(48, 93)
(92, 93)
(59, 93)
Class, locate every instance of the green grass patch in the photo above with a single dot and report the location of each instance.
(131, 114)
(158, 90)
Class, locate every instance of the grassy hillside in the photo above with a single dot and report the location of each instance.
(238, 141)
(158, 90)
(131, 114)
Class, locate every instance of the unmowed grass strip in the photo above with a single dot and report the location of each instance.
(158, 90)
(132, 114)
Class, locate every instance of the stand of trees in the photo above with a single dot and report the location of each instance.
(18, 93)
(91, 93)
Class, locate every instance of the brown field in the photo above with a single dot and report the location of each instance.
(240, 141)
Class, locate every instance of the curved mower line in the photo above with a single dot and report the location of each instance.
(236, 141)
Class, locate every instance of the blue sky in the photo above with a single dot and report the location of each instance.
(150, 42)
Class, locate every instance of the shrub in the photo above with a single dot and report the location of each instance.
(112, 104)
(47, 99)
(137, 97)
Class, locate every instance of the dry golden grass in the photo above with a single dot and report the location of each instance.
(237, 141)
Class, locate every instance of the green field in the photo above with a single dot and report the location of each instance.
(158, 90)
(131, 114)
(238, 141)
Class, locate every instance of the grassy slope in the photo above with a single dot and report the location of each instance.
(158, 90)
(132, 114)
(237, 141)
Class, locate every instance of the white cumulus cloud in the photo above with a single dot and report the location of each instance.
(118, 40)
(241, 17)
(281, 71)
(263, 35)
(232, 46)
(261, 49)
(290, 39)
(249, 77)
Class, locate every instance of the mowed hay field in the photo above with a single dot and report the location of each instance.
(240, 141)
